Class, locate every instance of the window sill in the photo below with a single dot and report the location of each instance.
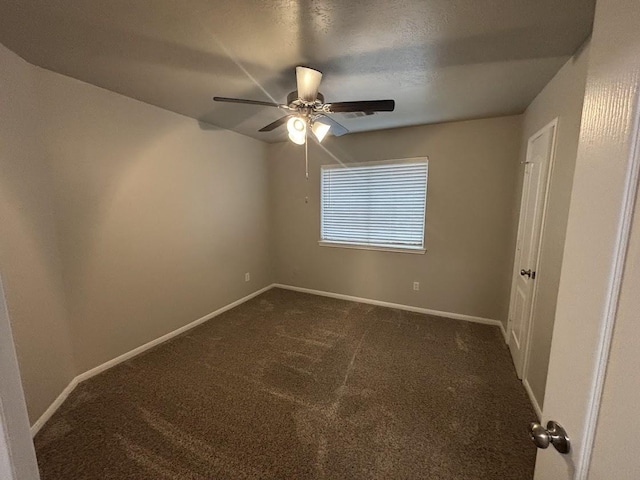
(418, 251)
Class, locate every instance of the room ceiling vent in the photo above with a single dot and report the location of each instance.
(357, 114)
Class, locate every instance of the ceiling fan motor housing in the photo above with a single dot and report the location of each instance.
(293, 97)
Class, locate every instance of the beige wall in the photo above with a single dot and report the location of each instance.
(121, 222)
(467, 267)
(158, 217)
(561, 98)
(29, 256)
(29, 261)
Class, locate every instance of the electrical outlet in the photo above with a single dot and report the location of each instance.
(416, 286)
(247, 277)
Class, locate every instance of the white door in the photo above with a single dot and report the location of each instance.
(602, 203)
(539, 159)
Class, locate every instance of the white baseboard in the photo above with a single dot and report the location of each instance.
(137, 351)
(505, 335)
(399, 306)
(48, 413)
(427, 311)
(533, 399)
(142, 348)
(35, 428)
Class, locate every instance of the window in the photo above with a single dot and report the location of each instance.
(377, 205)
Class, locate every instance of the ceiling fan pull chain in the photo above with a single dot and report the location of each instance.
(306, 154)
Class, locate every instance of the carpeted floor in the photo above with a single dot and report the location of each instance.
(296, 386)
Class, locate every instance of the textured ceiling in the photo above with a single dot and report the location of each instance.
(440, 60)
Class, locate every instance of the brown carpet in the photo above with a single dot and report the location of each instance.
(290, 385)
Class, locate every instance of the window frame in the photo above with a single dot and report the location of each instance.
(384, 248)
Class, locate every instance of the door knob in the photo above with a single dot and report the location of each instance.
(554, 434)
(527, 273)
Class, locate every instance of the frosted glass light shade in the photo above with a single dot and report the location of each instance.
(297, 129)
(320, 130)
(297, 138)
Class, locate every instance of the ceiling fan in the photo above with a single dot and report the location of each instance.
(308, 111)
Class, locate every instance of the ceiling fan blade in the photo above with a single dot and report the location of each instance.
(308, 81)
(337, 129)
(276, 124)
(247, 102)
(364, 106)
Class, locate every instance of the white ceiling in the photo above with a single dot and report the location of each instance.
(441, 60)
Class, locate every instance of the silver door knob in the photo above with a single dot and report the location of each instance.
(554, 434)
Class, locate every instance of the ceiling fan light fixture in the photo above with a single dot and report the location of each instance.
(320, 130)
(296, 125)
(297, 129)
(306, 105)
(297, 138)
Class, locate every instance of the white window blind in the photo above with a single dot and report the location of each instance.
(378, 205)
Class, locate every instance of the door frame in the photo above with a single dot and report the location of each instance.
(17, 453)
(554, 124)
(630, 203)
(627, 208)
